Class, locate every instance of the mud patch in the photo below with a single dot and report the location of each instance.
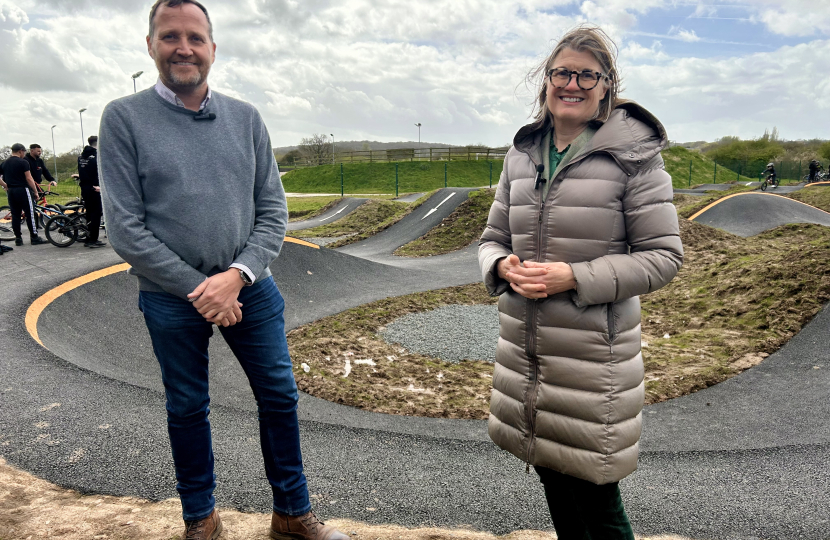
(734, 300)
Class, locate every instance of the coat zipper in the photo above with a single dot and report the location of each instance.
(531, 341)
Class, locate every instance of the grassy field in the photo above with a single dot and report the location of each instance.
(380, 177)
(425, 176)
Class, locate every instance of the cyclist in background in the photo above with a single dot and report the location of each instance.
(90, 191)
(815, 167)
(769, 172)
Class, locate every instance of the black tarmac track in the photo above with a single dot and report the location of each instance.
(744, 459)
(341, 210)
(748, 214)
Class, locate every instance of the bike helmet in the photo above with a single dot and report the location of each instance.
(770, 165)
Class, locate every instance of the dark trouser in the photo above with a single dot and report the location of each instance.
(92, 203)
(20, 201)
(582, 510)
(180, 340)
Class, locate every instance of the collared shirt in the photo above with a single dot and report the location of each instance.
(171, 97)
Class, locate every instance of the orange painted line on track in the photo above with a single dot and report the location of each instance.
(692, 218)
(301, 242)
(37, 307)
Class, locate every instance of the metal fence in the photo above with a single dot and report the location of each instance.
(463, 153)
(785, 169)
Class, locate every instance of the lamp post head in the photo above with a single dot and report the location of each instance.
(418, 124)
(53, 127)
(82, 110)
(137, 74)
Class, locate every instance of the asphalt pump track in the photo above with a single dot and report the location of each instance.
(744, 459)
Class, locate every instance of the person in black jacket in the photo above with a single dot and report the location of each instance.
(90, 191)
(16, 179)
(38, 167)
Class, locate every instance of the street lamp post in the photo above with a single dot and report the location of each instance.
(419, 140)
(81, 114)
(54, 154)
(332, 148)
(136, 75)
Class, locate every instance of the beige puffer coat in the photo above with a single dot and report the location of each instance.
(568, 386)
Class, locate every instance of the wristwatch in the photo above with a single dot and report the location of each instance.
(245, 279)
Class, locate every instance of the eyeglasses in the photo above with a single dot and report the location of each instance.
(586, 80)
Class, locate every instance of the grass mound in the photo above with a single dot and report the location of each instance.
(678, 159)
(818, 196)
(307, 207)
(456, 231)
(734, 301)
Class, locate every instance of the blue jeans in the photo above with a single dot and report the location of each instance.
(180, 341)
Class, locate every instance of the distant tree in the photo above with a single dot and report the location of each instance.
(728, 150)
(289, 158)
(316, 149)
(824, 151)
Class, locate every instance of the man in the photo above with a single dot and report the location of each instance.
(178, 163)
(16, 178)
(38, 168)
(90, 191)
(814, 168)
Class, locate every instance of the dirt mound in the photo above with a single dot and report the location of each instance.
(696, 236)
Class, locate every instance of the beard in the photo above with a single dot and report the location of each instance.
(194, 79)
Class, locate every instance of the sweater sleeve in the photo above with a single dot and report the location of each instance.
(270, 208)
(46, 172)
(496, 241)
(122, 196)
(656, 252)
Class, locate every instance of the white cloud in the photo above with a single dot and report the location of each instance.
(370, 69)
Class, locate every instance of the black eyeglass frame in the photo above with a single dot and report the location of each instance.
(599, 74)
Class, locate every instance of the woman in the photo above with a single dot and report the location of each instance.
(582, 224)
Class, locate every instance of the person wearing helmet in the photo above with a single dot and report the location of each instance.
(815, 167)
(772, 177)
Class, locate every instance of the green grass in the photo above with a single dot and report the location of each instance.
(818, 196)
(426, 176)
(380, 177)
(305, 207)
(677, 161)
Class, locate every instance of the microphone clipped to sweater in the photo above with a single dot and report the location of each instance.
(540, 168)
(205, 116)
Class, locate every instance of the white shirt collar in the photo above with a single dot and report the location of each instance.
(171, 97)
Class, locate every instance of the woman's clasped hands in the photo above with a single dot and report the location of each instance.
(536, 280)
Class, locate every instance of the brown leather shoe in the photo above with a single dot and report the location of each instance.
(305, 527)
(204, 529)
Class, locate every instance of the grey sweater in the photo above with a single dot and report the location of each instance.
(186, 198)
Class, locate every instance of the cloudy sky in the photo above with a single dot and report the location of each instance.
(371, 69)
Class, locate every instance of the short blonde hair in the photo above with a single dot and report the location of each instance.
(583, 38)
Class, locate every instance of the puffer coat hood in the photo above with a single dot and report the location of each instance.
(568, 387)
(89, 151)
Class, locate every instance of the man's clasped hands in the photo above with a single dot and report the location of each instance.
(216, 298)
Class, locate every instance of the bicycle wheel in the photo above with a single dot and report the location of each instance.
(764, 185)
(80, 224)
(60, 231)
(6, 232)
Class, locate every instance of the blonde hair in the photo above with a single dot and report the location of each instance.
(583, 38)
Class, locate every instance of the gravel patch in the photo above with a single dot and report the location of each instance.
(325, 240)
(451, 333)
